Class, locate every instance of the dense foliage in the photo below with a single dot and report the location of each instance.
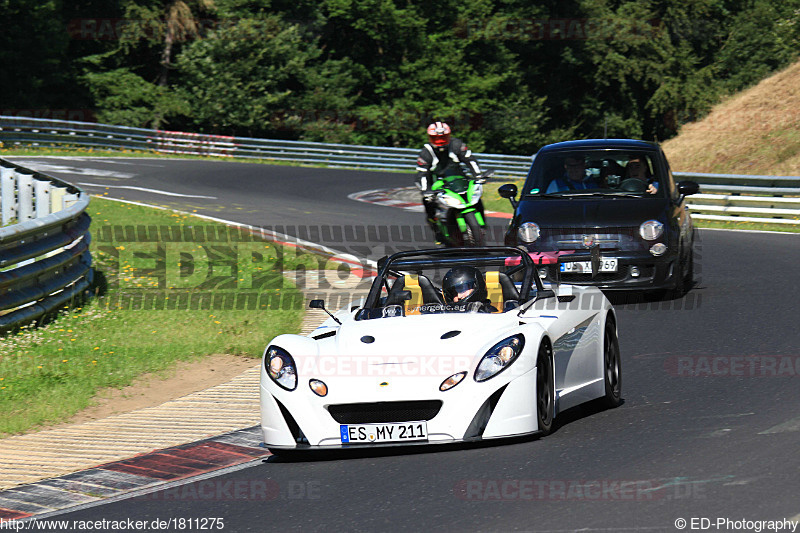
(509, 75)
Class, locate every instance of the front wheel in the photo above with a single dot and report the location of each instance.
(545, 386)
(474, 235)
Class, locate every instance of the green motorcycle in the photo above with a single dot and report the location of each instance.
(459, 210)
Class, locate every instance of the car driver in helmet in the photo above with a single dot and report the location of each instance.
(464, 289)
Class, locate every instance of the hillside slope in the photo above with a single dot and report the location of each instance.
(754, 132)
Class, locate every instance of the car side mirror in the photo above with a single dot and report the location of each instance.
(320, 304)
(509, 190)
(686, 188)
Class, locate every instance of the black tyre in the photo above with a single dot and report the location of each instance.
(612, 366)
(545, 388)
(688, 278)
(680, 278)
(474, 235)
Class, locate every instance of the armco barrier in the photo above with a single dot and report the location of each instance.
(44, 244)
(728, 197)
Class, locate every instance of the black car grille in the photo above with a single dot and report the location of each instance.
(381, 412)
(579, 232)
(608, 238)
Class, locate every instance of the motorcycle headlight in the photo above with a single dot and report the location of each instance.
(651, 230)
(499, 357)
(528, 232)
(280, 367)
(451, 201)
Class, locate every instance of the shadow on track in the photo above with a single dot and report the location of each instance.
(367, 451)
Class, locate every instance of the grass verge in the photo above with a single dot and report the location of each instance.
(784, 228)
(49, 373)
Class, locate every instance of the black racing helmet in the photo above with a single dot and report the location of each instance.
(464, 284)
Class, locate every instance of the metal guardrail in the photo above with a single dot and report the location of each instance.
(44, 245)
(729, 197)
(745, 198)
(23, 131)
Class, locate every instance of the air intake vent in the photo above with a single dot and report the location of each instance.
(382, 412)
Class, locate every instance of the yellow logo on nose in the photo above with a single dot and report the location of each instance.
(384, 384)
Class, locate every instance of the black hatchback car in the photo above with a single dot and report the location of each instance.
(606, 213)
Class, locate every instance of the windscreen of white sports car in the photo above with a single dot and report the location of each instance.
(447, 283)
(599, 173)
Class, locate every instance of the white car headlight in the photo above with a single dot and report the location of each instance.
(280, 367)
(499, 357)
(528, 232)
(651, 230)
(451, 201)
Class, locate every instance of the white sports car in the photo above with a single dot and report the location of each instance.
(418, 362)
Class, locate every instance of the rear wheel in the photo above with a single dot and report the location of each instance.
(473, 236)
(545, 386)
(612, 366)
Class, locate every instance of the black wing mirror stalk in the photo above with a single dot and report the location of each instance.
(320, 304)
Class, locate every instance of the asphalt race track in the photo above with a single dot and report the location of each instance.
(710, 426)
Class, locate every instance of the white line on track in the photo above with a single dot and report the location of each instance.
(93, 172)
(145, 189)
(784, 427)
(108, 159)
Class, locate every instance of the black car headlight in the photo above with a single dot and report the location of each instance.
(280, 367)
(499, 357)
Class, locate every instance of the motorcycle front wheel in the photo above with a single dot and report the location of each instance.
(474, 235)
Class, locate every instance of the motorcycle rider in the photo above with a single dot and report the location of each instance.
(441, 156)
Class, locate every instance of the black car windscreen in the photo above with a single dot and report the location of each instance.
(601, 172)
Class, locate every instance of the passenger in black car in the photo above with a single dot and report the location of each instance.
(637, 168)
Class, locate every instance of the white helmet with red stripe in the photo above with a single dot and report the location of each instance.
(439, 133)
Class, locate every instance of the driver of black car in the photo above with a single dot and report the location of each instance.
(464, 289)
(574, 177)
